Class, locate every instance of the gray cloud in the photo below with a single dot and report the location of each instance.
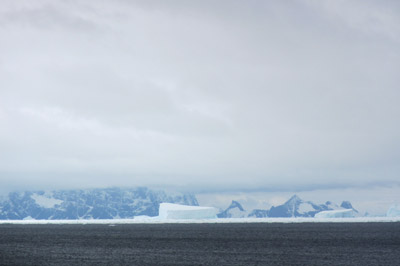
(211, 94)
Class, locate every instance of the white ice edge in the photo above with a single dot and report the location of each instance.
(155, 220)
(178, 211)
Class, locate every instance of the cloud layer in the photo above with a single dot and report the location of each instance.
(225, 94)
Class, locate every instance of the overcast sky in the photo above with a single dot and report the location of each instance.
(206, 95)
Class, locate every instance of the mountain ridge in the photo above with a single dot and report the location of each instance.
(293, 207)
(115, 203)
(107, 203)
(235, 210)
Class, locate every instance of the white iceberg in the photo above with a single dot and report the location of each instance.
(394, 211)
(177, 211)
(344, 213)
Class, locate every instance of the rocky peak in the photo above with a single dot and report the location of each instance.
(236, 204)
(346, 205)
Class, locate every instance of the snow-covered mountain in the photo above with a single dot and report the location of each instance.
(347, 205)
(258, 213)
(110, 203)
(106, 203)
(235, 210)
(294, 207)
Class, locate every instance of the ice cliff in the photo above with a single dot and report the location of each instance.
(394, 211)
(177, 211)
(344, 213)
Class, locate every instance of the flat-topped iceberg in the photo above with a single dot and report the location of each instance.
(177, 211)
(394, 211)
(345, 213)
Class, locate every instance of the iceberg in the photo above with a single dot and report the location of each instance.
(394, 211)
(344, 213)
(177, 211)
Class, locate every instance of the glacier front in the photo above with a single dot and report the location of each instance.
(394, 211)
(345, 213)
(177, 211)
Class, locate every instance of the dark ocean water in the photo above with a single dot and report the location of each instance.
(202, 244)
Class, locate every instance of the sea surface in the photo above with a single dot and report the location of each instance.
(201, 244)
